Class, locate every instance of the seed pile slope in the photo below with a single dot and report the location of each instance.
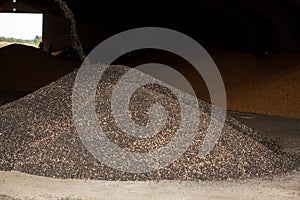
(37, 136)
(268, 85)
(276, 95)
(26, 68)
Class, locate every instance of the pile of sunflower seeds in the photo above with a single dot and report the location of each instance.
(38, 136)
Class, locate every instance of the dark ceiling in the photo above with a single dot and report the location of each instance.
(256, 25)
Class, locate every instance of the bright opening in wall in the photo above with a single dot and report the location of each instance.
(23, 28)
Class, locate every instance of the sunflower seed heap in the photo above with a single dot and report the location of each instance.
(38, 136)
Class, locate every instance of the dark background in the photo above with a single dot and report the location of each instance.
(256, 27)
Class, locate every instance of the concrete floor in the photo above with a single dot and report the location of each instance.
(23, 186)
(284, 130)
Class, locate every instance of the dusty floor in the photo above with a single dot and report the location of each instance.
(23, 186)
(16, 185)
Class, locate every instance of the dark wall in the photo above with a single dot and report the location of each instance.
(255, 27)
